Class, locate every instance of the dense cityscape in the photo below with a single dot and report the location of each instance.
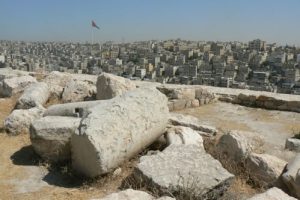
(256, 65)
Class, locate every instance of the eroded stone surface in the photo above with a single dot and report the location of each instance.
(185, 168)
(264, 169)
(118, 129)
(19, 120)
(291, 177)
(15, 85)
(110, 86)
(50, 136)
(36, 94)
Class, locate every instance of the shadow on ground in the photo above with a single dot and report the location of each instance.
(25, 156)
(59, 174)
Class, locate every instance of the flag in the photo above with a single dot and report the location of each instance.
(95, 25)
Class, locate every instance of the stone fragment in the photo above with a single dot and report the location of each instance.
(293, 144)
(15, 85)
(36, 94)
(117, 130)
(291, 177)
(237, 145)
(110, 86)
(19, 120)
(192, 122)
(56, 82)
(76, 91)
(183, 169)
(50, 136)
(183, 135)
(264, 169)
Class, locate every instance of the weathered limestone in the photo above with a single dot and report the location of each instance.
(19, 120)
(260, 99)
(76, 91)
(183, 135)
(237, 145)
(75, 109)
(110, 86)
(264, 169)
(50, 136)
(130, 194)
(272, 194)
(192, 122)
(182, 96)
(291, 177)
(56, 82)
(36, 94)
(15, 85)
(6, 73)
(118, 129)
(185, 169)
(293, 144)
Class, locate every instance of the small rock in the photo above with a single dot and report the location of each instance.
(15, 85)
(183, 135)
(264, 169)
(19, 120)
(36, 94)
(291, 177)
(130, 194)
(292, 144)
(237, 145)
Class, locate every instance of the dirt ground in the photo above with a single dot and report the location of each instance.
(273, 126)
(23, 175)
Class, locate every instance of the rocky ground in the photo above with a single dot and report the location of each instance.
(24, 175)
(274, 126)
(66, 136)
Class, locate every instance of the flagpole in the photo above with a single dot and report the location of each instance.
(93, 35)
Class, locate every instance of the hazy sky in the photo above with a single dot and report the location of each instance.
(224, 20)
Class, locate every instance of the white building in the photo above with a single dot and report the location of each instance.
(2, 58)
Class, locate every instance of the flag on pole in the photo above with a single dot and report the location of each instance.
(95, 25)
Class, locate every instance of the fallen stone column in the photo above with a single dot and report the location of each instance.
(118, 129)
(71, 109)
(36, 94)
(50, 136)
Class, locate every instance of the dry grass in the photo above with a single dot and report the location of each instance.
(10, 170)
(242, 186)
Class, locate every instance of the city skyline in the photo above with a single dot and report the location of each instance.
(272, 21)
